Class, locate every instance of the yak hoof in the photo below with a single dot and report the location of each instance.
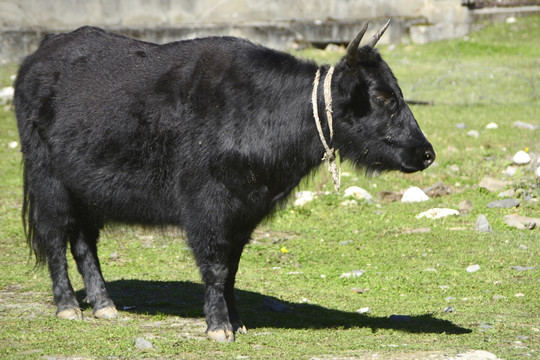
(70, 314)
(221, 335)
(239, 328)
(108, 312)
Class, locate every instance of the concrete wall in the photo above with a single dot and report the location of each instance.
(63, 14)
(275, 23)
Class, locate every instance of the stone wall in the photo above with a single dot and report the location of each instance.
(278, 23)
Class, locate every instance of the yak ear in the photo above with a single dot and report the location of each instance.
(352, 49)
(373, 41)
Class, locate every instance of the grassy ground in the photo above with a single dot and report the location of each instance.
(297, 257)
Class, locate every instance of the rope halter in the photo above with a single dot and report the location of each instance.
(329, 152)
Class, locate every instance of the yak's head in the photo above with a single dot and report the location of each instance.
(374, 127)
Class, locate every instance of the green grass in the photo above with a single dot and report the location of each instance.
(493, 76)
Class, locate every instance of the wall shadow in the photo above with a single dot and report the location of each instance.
(185, 299)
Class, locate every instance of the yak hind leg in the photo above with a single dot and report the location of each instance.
(234, 260)
(50, 221)
(84, 250)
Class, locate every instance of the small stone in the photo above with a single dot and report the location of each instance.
(448, 309)
(465, 206)
(510, 171)
(437, 190)
(485, 326)
(114, 256)
(461, 125)
(347, 242)
(450, 298)
(537, 171)
(275, 306)
(524, 125)
(334, 48)
(303, 197)
(521, 158)
(13, 145)
(430, 270)
(523, 268)
(508, 193)
(492, 125)
(400, 318)
(518, 295)
(504, 204)
(142, 344)
(437, 213)
(478, 354)
(511, 20)
(390, 196)
(454, 168)
(349, 203)
(492, 184)
(6, 95)
(363, 310)
(473, 133)
(357, 193)
(523, 247)
(521, 222)
(472, 268)
(499, 297)
(482, 224)
(414, 194)
(359, 290)
(353, 274)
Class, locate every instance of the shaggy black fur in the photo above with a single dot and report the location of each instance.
(206, 134)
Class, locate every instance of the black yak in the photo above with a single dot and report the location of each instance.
(206, 134)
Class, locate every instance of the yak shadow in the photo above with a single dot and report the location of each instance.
(185, 299)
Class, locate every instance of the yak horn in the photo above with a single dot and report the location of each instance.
(373, 41)
(352, 49)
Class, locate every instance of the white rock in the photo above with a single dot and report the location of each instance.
(437, 213)
(537, 172)
(13, 144)
(303, 197)
(142, 344)
(473, 133)
(507, 194)
(6, 95)
(511, 20)
(473, 268)
(524, 125)
(492, 125)
(357, 193)
(363, 310)
(414, 194)
(349, 203)
(510, 171)
(477, 355)
(353, 274)
(521, 158)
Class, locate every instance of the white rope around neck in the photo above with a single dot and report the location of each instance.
(329, 153)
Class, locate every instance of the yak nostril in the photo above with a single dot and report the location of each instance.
(429, 157)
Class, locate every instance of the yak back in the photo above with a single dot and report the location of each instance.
(141, 132)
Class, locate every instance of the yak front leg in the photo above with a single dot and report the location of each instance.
(211, 252)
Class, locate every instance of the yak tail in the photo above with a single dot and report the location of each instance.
(29, 218)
